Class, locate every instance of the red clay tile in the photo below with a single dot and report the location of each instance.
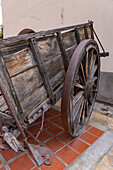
(37, 120)
(46, 124)
(32, 141)
(3, 168)
(79, 146)
(34, 129)
(56, 119)
(65, 137)
(53, 111)
(48, 115)
(0, 162)
(60, 124)
(67, 154)
(23, 163)
(87, 127)
(44, 135)
(20, 136)
(36, 168)
(56, 165)
(54, 144)
(8, 154)
(96, 131)
(54, 130)
(88, 137)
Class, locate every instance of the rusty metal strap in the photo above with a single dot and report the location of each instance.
(42, 69)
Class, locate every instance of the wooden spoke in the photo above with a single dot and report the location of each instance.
(83, 113)
(77, 97)
(93, 63)
(77, 118)
(94, 70)
(92, 59)
(81, 66)
(77, 107)
(86, 64)
(79, 85)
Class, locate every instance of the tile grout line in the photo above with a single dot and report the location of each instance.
(41, 143)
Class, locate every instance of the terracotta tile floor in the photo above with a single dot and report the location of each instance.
(53, 137)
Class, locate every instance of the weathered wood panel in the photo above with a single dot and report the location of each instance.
(57, 79)
(81, 33)
(24, 73)
(34, 100)
(48, 48)
(27, 82)
(69, 39)
(19, 62)
(89, 31)
(54, 66)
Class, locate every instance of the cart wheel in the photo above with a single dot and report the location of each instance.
(80, 87)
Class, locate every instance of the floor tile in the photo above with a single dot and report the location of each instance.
(0, 162)
(47, 124)
(78, 145)
(56, 165)
(34, 129)
(87, 127)
(32, 141)
(44, 135)
(56, 119)
(96, 131)
(8, 154)
(54, 130)
(3, 168)
(88, 137)
(22, 163)
(60, 124)
(53, 111)
(36, 168)
(20, 136)
(65, 137)
(67, 154)
(54, 144)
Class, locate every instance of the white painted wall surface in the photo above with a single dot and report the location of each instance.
(47, 14)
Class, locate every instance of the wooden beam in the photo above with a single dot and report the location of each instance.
(10, 91)
(41, 66)
(63, 51)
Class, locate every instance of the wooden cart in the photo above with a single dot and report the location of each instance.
(38, 69)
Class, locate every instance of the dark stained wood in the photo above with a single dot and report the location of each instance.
(22, 68)
(62, 49)
(41, 66)
(9, 90)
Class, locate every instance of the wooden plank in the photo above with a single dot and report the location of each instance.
(81, 33)
(89, 29)
(63, 50)
(27, 82)
(48, 48)
(54, 66)
(55, 81)
(9, 90)
(20, 38)
(69, 39)
(19, 62)
(41, 66)
(33, 100)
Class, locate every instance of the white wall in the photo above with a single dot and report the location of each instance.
(47, 14)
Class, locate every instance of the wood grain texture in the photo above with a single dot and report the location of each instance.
(24, 73)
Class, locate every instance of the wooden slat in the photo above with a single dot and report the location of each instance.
(40, 64)
(9, 90)
(63, 51)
